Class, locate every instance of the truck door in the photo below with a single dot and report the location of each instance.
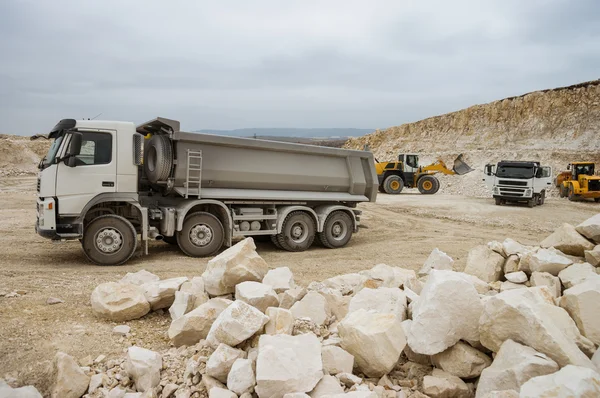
(543, 179)
(95, 172)
(489, 176)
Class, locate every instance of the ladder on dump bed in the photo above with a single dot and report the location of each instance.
(193, 173)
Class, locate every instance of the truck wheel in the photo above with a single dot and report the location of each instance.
(202, 235)
(158, 159)
(498, 201)
(428, 185)
(531, 202)
(393, 185)
(276, 242)
(541, 198)
(298, 232)
(337, 230)
(109, 240)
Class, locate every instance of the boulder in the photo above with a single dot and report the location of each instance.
(383, 300)
(258, 295)
(548, 280)
(161, 294)
(96, 382)
(462, 360)
(513, 365)
(363, 330)
(516, 277)
(497, 247)
(240, 263)
(69, 380)
(290, 297)
(576, 274)
(218, 392)
(510, 286)
(479, 285)
(530, 317)
(410, 354)
(590, 228)
(241, 377)
(348, 379)
(139, 278)
(281, 321)
(593, 256)
(287, 364)
(143, 367)
(402, 275)
(336, 360)
(7, 391)
(195, 287)
(444, 385)
(209, 383)
(544, 260)
(511, 264)
(119, 301)
(358, 394)
(582, 302)
(512, 247)
(570, 381)
(502, 394)
(184, 303)
(221, 360)
(328, 385)
(382, 275)
(235, 324)
(347, 283)
(447, 311)
(296, 395)
(415, 285)
(484, 263)
(313, 306)
(568, 240)
(337, 304)
(436, 260)
(280, 279)
(195, 325)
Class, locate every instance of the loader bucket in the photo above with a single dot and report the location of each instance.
(460, 167)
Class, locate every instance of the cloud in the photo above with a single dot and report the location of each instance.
(269, 63)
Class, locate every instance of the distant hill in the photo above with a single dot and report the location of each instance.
(291, 132)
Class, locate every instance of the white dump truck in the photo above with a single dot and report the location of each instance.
(105, 183)
(518, 181)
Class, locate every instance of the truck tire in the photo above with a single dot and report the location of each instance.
(498, 201)
(380, 188)
(337, 230)
(541, 198)
(298, 232)
(158, 159)
(531, 202)
(393, 185)
(109, 240)
(428, 185)
(276, 242)
(202, 235)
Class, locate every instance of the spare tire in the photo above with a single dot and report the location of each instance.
(158, 158)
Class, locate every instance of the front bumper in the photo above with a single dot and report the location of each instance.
(45, 224)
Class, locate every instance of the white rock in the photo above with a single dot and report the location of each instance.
(258, 295)
(410, 295)
(570, 381)
(143, 367)
(313, 306)
(280, 279)
(220, 362)
(337, 305)
(336, 360)
(54, 300)
(479, 285)
(512, 247)
(383, 300)
(70, 381)
(502, 394)
(296, 395)
(510, 286)
(346, 283)
(361, 331)
(415, 285)
(498, 247)
(436, 260)
(281, 321)
(582, 302)
(7, 391)
(484, 263)
(530, 317)
(544, 260)
(546, 279)
(210, 383)
(590, 228)
(593, 256)
(195, 325)
(596, 359)
(161, 294)
(290, 297)
(235, 324)
(328, 385)
(447, 311)
(95, 382)
(382, 275)
(116, 392)
(513, 365)
(287, 364)
(516, 277)
(568, 240)
(121, 330)
(241, 377)
(195, 287)
(139, 278)
(348, 379)
(218, 392)
(410, 354)
(119, 301)
(576, 274)
(511, 264)
(444, 385)
(462, 360)
(240, 263)
(402, 275)
(184, 303)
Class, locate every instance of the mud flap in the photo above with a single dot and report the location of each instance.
(460, 167)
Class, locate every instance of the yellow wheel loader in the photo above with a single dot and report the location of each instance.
(579, 182)
(406, 172)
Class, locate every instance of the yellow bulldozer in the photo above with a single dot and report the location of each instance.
(406, 172)
(579, 182)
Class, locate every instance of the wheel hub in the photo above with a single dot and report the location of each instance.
(299, 232)
(109, 240)
(427, 185)
(395, 185)
(338, 230)
(201, 235)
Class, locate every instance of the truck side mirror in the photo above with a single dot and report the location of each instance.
(74, 149)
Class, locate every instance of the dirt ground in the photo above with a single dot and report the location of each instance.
(398, 230)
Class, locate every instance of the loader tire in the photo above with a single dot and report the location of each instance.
(158, 159)
(202, 235)
(571, 195)
(428, 185)
(109, 240)
(381, 188)
(562, 191)
(596, 200)
(337, 230)
(298, 232)
(393, 185)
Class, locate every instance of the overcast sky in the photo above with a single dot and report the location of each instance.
(234, 64)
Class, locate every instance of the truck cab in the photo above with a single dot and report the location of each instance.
(518, 181)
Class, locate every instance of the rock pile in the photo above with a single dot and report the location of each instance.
(520, 321)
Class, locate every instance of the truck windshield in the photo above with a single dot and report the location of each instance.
(51, 155)
(515, 172)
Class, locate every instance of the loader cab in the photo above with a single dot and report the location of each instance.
(410, 161)
(582, 169)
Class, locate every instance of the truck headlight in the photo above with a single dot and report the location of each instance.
(528, 192)
(496, 191)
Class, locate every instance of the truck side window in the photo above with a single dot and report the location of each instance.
(96, 148)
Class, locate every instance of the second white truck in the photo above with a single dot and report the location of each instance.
(518, 181)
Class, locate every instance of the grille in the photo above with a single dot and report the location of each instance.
(594, 185)
(515, 183)
(39, 182)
